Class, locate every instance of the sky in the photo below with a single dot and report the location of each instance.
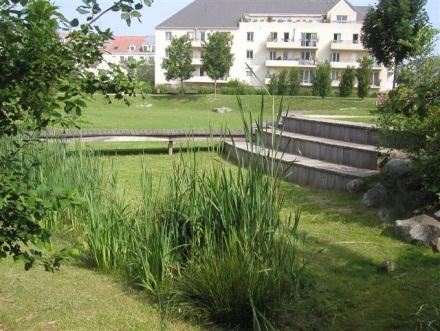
(160, 10)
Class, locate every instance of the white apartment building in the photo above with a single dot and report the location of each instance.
(121, 49)
(272, 35)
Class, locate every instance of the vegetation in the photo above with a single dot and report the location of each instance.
(216, 57)
(347, 82)
(285, 83)
(322, 81)
(293, 78)
(282, 82)
(145, 73)
(363, 75)
(397, 30)
(43, 82)
(178, 63)
(413, 111)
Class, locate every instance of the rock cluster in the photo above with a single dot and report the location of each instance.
(420, 229)
(222, 110)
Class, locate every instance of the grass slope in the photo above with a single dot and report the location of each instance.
(195, 112)
(344, 241)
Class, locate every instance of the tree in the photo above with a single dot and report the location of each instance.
(363, 75)
(347, 82)
(322, 82)
(145, 73)
(273, 85)
(178, 64)
(397, 29)
(43, 81)
(293, 79)
(282, 82)
(216, 56)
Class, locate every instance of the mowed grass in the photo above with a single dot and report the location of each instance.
(196, 112)
(344, 244)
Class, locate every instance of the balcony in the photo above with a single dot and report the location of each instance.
(288, 63)
(291, 44)
(347, 45)
(197, 61)
(196, 43)
(345, 63)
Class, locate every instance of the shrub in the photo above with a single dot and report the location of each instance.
(347, 82)
(205, 90)
(161, 89)
(293, 79)
(322, 81)
(363, 75)
(273, 86)
(283, 83)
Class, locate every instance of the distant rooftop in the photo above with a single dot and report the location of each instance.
(227, 13)
(126, 44)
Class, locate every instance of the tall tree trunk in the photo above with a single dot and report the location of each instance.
(215, 89)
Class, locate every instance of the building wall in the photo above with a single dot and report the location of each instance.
(349, 52)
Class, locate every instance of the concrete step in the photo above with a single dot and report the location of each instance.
(299, 169)
(361, 133)
(324, 149)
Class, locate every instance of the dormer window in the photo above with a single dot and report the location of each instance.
(341, 18)
(131, 48)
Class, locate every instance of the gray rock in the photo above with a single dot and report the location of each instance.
(396, 168)
(375, 196)
(385, 214)
(437, 215)
(222, 110)
(406, 203)
(423, 229)
(355, 185)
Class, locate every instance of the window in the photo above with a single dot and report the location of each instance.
(306, 55)
(285, 55)
(335, 57)
(121, 58)
(202, 36)
(355, 38)
(309, 39)
(142, 57)
(190, 35)
(250, 36)
(153, 49)
(273, 55)
(306, 76)
(335, 75)
(131, 48)
(202, 72)
(168, 35)
(375, 81)
(167, 52)
(249, 54)
(336, 37)
(341, 18)
(130, 58)
(286, 37)
(248, 73)
(151, 59)
(273, 36)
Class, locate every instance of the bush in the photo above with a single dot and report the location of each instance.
(205, 90)
(283, 83)
(161, 89)
(347, 82)
(145, 73)
(322, 81)
(363, 75)
(293, 80)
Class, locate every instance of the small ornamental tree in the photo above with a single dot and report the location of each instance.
(44, 80)
(395, 30)
(178, 64)
(363, 75)
(293, 81)
(347, 82)
(283, 82)
(273, 85)
(322, 81)
(216, 56)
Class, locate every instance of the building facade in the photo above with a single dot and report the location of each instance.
(121, 49)
(272, 35)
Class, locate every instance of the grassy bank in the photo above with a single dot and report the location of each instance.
(344, 244)
(178, 112)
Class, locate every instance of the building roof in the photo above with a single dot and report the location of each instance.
(227, 13)
(121, 44)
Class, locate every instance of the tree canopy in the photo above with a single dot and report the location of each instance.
(322, 81)
(216, 56)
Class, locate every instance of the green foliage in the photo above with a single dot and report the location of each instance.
(178, 64)
(413, 113)
(293, 79)
(217, 57)
(273, 86)
(397, 29)
(363, 75)
(322, 81)
(145, 73)
(236, 87)
(347, 82)
(43, 82)
(282, 82)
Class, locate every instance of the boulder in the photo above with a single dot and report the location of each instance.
(423, 229)
(437, 215)
(405, 203)
(385, 214)
(355, 185)
(396, 168)
(222, 110)
(375, 196)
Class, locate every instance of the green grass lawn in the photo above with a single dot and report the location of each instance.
(195, 112)
(345, 243)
